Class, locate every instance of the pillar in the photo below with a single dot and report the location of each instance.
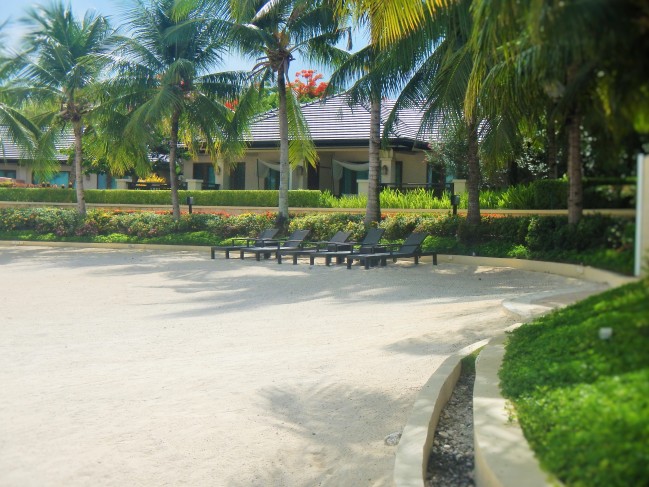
(642, 218)
(221, 173)
(459, 186)
(387, 161)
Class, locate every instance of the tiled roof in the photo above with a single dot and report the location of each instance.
(11, 152)
(333, 121)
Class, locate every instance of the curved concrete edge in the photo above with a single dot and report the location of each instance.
(90, 245)
(503, 457)
(567, 270)
(411, 459)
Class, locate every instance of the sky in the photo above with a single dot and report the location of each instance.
(13, 10)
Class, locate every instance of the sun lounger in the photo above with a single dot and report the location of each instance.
(338, 243)
(369, 244)
(265, 238)
(294, 241)
(410, 249)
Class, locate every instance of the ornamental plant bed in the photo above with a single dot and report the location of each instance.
(601, 241)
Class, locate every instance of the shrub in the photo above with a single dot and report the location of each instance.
(582, 401)
(324, 226)
(62, 223)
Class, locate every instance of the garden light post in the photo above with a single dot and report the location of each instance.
(190, 202)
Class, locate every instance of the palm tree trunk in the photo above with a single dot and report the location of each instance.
(373, 209)
(78, 159)
(173, 177)
(575, 189)
(473, 180)
(283, 146)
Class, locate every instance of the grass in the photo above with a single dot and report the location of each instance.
(583, 402)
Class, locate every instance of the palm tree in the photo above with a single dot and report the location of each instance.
(163, 81)
(62, 65)
(16, 125)
(273, 32)
(578, 56)
(436, 76)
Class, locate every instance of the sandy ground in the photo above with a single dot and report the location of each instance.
(148, 368)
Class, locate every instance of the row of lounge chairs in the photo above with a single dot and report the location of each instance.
(369, 252)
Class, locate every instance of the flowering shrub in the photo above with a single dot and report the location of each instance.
(324, 226)
(311, 88)
(62, 223)
(606, 241)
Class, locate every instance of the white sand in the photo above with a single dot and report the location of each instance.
(146, 368)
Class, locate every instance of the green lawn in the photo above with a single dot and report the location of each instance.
(583, 402)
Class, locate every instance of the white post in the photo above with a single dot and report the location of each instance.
(459, 186)
(642, 214)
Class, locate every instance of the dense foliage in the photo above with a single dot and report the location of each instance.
(601, 241)
(583, 402)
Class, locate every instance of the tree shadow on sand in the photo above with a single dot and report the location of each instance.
(336, 436)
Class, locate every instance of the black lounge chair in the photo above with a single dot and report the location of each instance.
(338, 242)
(265, 238)
(369, 244)
(294, 241)
(410, 249)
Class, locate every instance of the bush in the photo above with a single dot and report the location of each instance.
(264, 198)
(582, 401)
(324, 226)
(601, 241)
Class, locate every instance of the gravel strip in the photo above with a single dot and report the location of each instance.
(451, 458)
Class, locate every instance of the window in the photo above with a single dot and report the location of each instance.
(272, 180)
(238, 176)
(398, 173)
(348, 183)
(204, 172)
(7, 173)
(60, 179)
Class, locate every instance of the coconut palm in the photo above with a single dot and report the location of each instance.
(436, 77)
(578, 56)
(16, 126)
(163, 81)
(61, 66)
(273, 32)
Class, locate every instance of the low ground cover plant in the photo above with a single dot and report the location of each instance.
(582, 401)
(601, 241)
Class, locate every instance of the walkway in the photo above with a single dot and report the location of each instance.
(167, 368)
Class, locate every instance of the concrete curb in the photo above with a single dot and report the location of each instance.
(567, 270)
(501, 453)
(117, 246)
(416, 441)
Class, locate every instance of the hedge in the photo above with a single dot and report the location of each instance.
(549, 194)
(542, 194)
(263, 198)
(538, 233)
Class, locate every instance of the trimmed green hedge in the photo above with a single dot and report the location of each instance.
(263, 198)
(542, 194)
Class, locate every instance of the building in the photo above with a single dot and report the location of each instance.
(341, 137)
(13, 165)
